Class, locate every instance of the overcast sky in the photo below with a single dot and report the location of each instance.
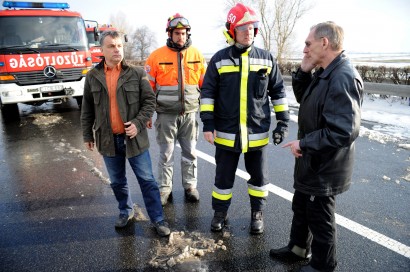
(370, 25)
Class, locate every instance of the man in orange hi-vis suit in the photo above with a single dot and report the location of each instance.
(176, 72)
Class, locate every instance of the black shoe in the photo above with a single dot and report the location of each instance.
(256, 222)
(162, 228)
(286, 255)
(123, 219)
(219, 220)
(192, 195)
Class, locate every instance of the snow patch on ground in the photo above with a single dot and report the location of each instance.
(183, 251)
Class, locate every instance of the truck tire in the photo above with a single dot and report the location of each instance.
(10, 112)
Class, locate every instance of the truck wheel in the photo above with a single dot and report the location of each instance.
(10, 111)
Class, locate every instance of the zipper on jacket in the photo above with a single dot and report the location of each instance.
(181, 80)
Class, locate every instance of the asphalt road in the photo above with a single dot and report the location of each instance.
(57, 210)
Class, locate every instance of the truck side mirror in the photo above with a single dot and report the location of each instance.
(96, 34)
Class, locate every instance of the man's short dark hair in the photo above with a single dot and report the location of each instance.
(112, 33)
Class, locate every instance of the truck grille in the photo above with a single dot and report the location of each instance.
(38, 77)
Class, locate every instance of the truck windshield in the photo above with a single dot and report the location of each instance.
(42, 32)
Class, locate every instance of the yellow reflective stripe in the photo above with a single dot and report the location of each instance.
(255, 68)
(257, 193)
(259, 142)
(224, 142)
(243, 105)
(207, 107)
(228, 69)
(279, 108)
(220, 196)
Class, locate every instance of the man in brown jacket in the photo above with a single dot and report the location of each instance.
(118, 101)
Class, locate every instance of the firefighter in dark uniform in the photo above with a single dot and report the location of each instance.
(236, 114)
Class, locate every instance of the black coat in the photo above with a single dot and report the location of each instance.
(329, 122)
(224, 78)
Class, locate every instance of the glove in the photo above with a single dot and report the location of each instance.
(280, 132)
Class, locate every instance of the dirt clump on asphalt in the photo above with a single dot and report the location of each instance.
(183, 248)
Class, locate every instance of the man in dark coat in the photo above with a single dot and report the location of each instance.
(329, 122)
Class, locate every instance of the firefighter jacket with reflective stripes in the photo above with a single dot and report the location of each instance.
(235, 98)
(176, 77)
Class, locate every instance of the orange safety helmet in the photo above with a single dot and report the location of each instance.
(241, 15)
(177, 21)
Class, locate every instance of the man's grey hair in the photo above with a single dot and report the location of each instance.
(333, 32)
(112, 33)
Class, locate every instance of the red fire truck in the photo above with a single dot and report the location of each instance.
(93, 32)
(44, 54)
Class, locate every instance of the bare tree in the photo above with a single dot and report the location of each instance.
(267, 25)
(120, 22)
(287, 14)
(143, 40)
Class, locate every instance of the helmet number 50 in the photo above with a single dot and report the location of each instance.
(231, 18)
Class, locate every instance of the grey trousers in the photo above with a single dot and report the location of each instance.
(170, 129)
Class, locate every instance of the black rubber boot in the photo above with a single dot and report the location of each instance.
(219, 220)
(256, 222)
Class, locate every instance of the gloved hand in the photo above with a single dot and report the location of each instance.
(280, 132)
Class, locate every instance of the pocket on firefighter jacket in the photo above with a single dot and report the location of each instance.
(261, 82)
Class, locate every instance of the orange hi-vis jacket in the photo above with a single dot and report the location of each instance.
(176, 77)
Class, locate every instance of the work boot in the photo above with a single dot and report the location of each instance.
(165, 196)
(256, 222)
(192, 195)
(219, 220)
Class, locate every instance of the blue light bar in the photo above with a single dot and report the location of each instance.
(51, 5)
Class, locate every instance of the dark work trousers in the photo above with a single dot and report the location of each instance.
(226, 164)
(314, 226)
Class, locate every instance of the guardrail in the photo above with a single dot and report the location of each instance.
(374, 88)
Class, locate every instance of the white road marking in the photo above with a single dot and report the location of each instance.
(370, 234)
